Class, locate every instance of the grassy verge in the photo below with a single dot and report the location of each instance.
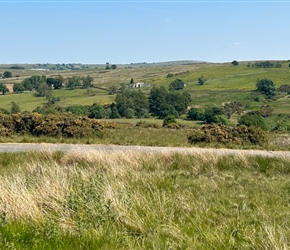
(129, 200)
(132, 135)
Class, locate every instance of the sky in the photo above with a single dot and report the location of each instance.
(120, 32)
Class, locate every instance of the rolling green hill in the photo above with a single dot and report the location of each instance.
(225, 82)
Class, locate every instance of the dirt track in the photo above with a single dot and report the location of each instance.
(18, 147)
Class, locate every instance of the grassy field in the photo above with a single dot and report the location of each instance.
(225, 82)
(129, 134)
(130, 200)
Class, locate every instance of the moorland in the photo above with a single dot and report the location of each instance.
(223, 93)
(145, 200)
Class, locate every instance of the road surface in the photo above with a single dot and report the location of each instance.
(20, 147)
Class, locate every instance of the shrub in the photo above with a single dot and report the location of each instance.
(253, 119)
(218, 133)
(232, 107)
(144, 124)
(168, 120)
(81, 127)
(14, 108)
(266, 87)
(211, 115)
(7, 74)
(16, 67)
(284, 88)
(172, 126)
(5, 131)
(18, 88)
(235, 63)
(201, 80)
(97, 111)
(77, 110)
(282, 125)
(250, 134)
(195, 114)
(266, 111)
(177, 84)
(4, 111)
(50, 125)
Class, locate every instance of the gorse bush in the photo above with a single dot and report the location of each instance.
(49, 125)
(218, 133)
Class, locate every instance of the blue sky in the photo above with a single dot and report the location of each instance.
(143, 31)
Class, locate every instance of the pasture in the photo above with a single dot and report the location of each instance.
(225, 82)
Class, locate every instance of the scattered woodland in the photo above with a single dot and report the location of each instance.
(177, 95)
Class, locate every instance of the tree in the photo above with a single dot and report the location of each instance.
(114, 66)
(27, 84)
(7, 74)
(33, 82)
(3, 89)
(129, 113)
(195, 114)
(201, 80)
(107, 65)
(14, 108)
(87, 81)
(74, 82)
(134, 100)
(157, 101)
(114, 112)
(213, 115)
(177, 84)
(266, 87)
(18, 88)
(97, 111)
(163, 102)
(55, 83)
(235, 63)
(43, 90)
(140, 102)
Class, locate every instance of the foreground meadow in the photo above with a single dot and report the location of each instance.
(129, 200)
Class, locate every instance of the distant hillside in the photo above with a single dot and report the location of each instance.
(169, 63)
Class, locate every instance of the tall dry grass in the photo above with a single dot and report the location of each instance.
(132, 200)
